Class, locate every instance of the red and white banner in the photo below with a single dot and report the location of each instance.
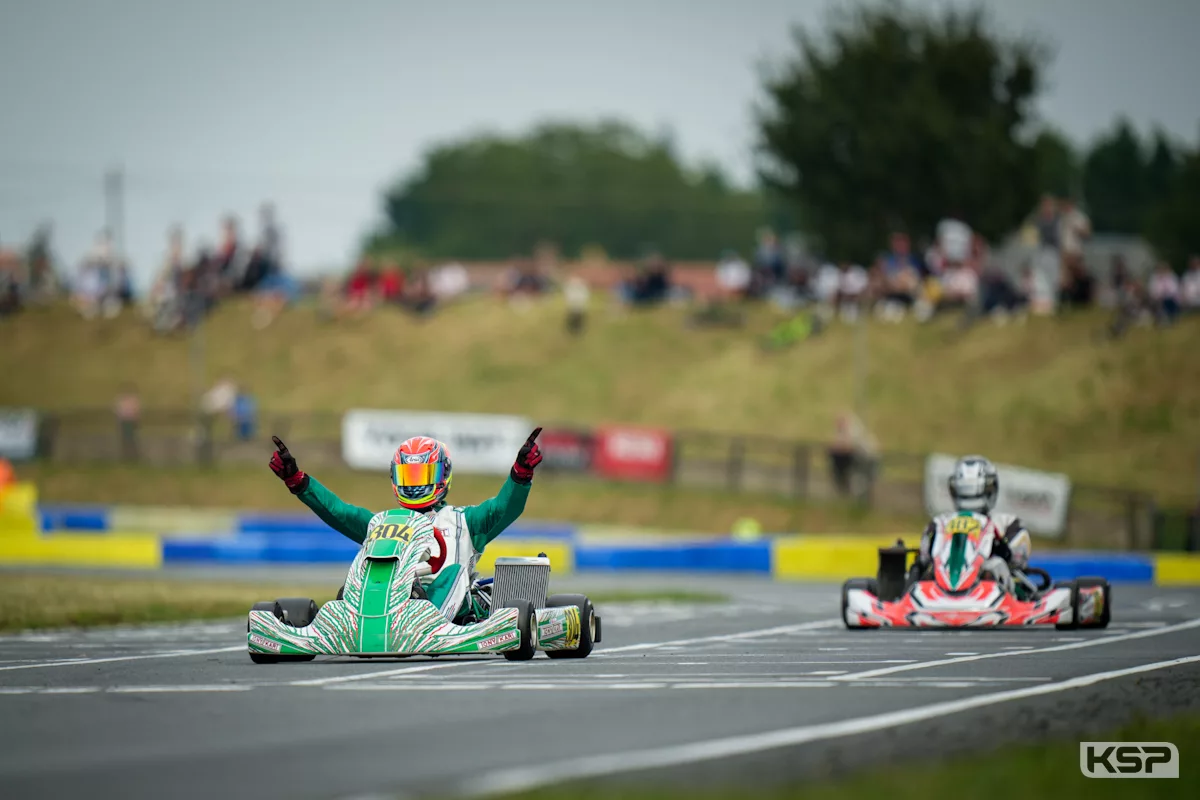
(632, 453)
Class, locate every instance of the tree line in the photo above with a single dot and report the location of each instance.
(886, 119)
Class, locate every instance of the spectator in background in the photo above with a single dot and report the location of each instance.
(220, 398)
(733, 276)
(164, 302)
(1075, 228)
(418, 295)
(1047, 265)
(231, 259)
(391, 283)
(1189, 295)
(1163, 292)
(651, 283)
(361, 288)
(825, 290)
(577, 295)
(93, 293)
(769, 263)
(853, 454)
(128, 411)
(852, 289)
(954, 241)
(449, 281)
(43, 281)
(901, 278)
(244, 415)
(10, 282)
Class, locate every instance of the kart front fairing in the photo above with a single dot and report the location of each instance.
(379, 615)
(959, 591)
(927, 605)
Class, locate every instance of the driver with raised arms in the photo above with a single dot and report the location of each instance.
(421, 477)
(975, 487)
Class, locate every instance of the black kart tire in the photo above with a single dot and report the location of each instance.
(869, 584)
(588, 621)
(525, 626)
(268, 658)
(299, 612)
(892, 573)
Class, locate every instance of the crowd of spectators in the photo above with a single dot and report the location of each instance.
(186, 288)
(955, 269)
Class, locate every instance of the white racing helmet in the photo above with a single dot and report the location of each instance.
(974, 484)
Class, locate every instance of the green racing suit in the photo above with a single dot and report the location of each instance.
(467, 530)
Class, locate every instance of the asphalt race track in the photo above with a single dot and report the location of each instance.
(766, 688)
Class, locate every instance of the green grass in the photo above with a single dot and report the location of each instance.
(558, 498)
(1045, 394)
(1033, 771)
(33, 600)
(38, 600)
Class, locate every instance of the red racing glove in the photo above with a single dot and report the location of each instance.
(528, 458)
(283, 464)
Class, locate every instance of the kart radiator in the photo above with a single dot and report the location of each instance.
(521, 579)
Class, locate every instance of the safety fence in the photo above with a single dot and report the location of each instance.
(1098, 517)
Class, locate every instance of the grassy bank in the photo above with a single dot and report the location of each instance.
(1037, 770)
(33, 600)
(1048, 393)
(553, 498)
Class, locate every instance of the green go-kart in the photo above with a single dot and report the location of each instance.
(383, 611)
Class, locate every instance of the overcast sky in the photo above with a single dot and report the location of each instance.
(215, 105)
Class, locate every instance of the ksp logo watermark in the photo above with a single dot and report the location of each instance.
(1129, 759)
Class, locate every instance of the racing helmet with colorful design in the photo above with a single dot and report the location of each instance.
(421, 473)
(974, 484)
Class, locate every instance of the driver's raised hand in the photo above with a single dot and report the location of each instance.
(528, 457)
(283, 464)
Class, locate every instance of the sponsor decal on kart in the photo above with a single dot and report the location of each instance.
(1091, 604)
(264, 642)
(499, 639)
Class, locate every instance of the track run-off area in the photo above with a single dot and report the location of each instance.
(767, 686)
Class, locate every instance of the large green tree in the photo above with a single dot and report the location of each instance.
(1115, 180)
(1170, 223)
(894, 118)
(492, 196)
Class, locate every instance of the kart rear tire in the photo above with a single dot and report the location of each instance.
(268, 658)
(869, 584)
(893, 570)
(588, 622)
(1106, 614)
(526, 627)
(299, 612)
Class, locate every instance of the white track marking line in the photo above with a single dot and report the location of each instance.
(783, 629)
(521, 779)
(872, 673)
(729, 637)
(387, 673)
(110, 659)
(239, 687)
(968, 653)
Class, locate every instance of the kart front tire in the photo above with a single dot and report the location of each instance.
(526, 627)
(299, 612)
(869, 584)
(271, 658)
(588, 621)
